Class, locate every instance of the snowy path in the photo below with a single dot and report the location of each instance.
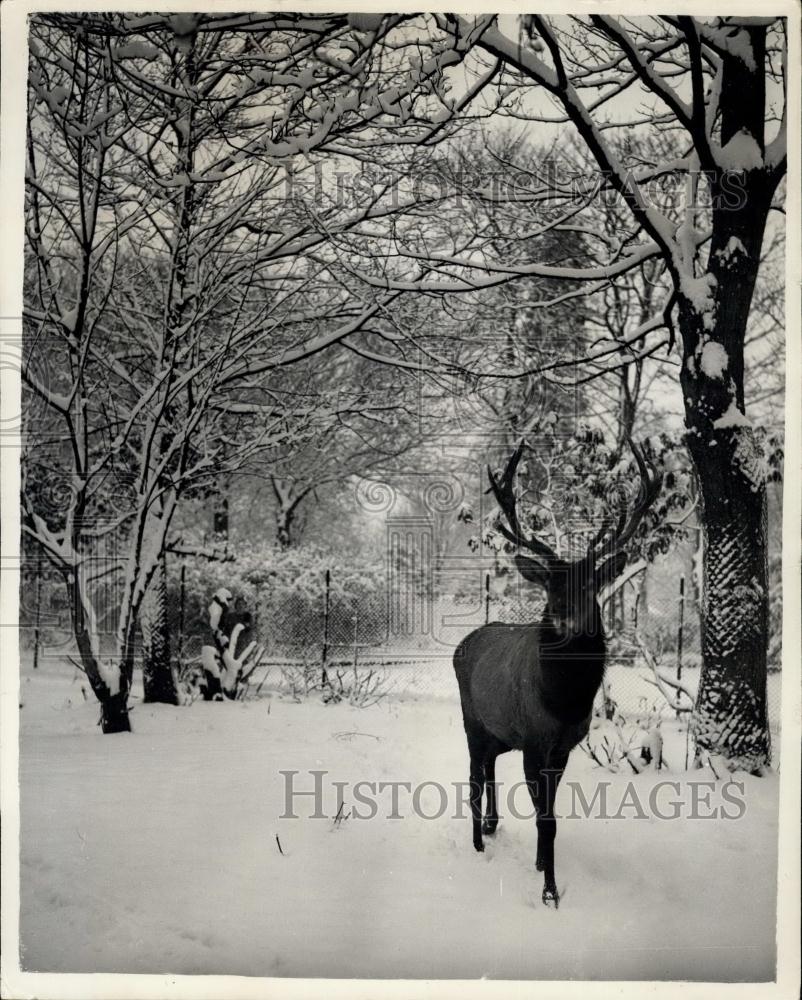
(156, 852)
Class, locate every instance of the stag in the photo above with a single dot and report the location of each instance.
(532, 687)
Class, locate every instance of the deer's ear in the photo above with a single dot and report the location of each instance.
(532, 570)
(610, 569)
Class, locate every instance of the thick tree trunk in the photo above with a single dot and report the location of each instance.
(286, 510)
(157, 672)
(693, 572)
(730, 716)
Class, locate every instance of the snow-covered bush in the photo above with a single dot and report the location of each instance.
(631, 746)
(300, 680)
(285, 590)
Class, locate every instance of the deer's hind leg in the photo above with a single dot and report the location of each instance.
(483, 749)
(479, 741)
(490, 822)
(495, 747)
(477, 780)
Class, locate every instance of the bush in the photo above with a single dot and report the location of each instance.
(358, 686)
(285, 590)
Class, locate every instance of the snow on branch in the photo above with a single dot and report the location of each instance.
(672, 690)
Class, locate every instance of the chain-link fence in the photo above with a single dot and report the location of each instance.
(410, 637)
(654, 639)
(407, 635)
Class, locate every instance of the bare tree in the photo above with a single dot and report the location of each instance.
(383, 421)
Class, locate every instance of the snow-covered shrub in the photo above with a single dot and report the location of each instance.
(229, 656)
(286, 591)
(655, 735)
(300, 680)
(629, 746)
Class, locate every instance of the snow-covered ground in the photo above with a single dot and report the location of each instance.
(157, 852)
(629, 684)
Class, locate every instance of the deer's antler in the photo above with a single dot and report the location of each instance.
(608, 542)
(503, 491)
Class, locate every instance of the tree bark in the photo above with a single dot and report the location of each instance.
(730, 716)
(113, 704)
(286, 505)
(157, 672)
(693, 571)
(284, 529)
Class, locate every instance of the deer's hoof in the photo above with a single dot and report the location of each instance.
(489, 826)
(551, 898)
(478, 847)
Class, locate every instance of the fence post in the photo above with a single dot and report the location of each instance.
(182, 598)
(487, 597)
(37, 620)
(680, 628)
(324, 677)
(356, 636)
